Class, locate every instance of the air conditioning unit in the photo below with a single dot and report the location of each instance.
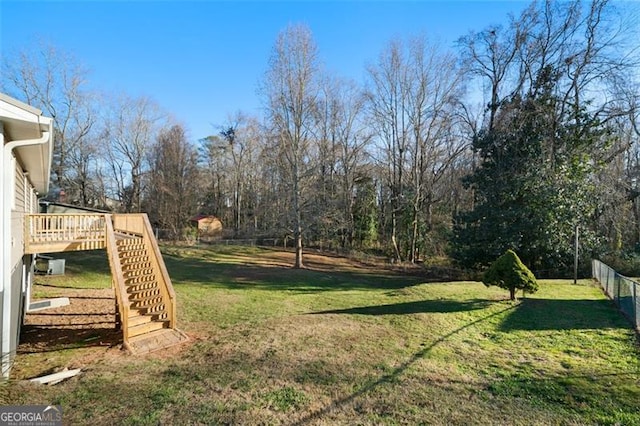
(55, 267)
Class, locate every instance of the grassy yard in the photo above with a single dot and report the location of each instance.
(341, 343)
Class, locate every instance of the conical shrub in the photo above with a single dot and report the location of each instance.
(510, 273)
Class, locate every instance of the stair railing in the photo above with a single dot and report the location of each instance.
(117, 278)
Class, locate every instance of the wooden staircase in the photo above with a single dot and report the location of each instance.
(147, 309)
(145, 300)
(145, 297)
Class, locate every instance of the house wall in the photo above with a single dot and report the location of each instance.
(22, 200)
(19, 206)
(17, 302)
(4, 246)
(26, 143)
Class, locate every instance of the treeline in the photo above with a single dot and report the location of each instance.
(518, 137)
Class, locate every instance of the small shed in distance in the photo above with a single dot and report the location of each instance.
(209, 227)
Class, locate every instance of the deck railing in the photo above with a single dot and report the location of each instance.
(117, 280)
(49, 233)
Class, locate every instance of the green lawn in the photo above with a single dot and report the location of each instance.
(345, 345)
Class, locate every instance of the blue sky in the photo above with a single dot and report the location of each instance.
(202, 60)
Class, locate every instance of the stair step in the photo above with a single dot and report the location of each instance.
(145, 301)
(139, 319)
(135, 291)
(155, 308)
(131, 247)
(136, 317)
(128, 241)
(140, 329)
(124, 250)
(141, 287)
(134, 266)
(139, 299)
(137, 272)
(134, 251)
(133, 260)
(136, 245)
(139, 280)
(151, 308)
(156, 340)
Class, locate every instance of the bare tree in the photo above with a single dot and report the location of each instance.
(343, 139)
(54, 81)
(389, 109)
(232, 187)
(130, 128)
(172, 193)
(240, 136)
(413, 103)
(216, 171)
(436, 84)
(290, 89)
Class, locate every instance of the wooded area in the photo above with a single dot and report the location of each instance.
(515, 139)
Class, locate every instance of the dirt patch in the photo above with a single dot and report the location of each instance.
(92, 309)
(328, 262)
(86, 324)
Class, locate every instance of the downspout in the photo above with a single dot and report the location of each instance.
(7, 241)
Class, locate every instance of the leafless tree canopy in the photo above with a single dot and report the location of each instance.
(345, 165)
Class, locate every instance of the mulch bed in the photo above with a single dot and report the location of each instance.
(89, 320)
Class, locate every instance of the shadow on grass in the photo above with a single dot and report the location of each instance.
(530, 314)
(62, 286)
(417, 307)
(559, 314)
(591, 394)
(239, 276)
(391, 377)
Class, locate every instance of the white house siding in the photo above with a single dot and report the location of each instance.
(24, 201)
(18, 210)
(17, 313)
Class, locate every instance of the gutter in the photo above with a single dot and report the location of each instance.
(26, 142)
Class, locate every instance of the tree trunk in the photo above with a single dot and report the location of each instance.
(512, 293)
(394, 241)
(414, 235)
(298, 235)
(298, 219)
